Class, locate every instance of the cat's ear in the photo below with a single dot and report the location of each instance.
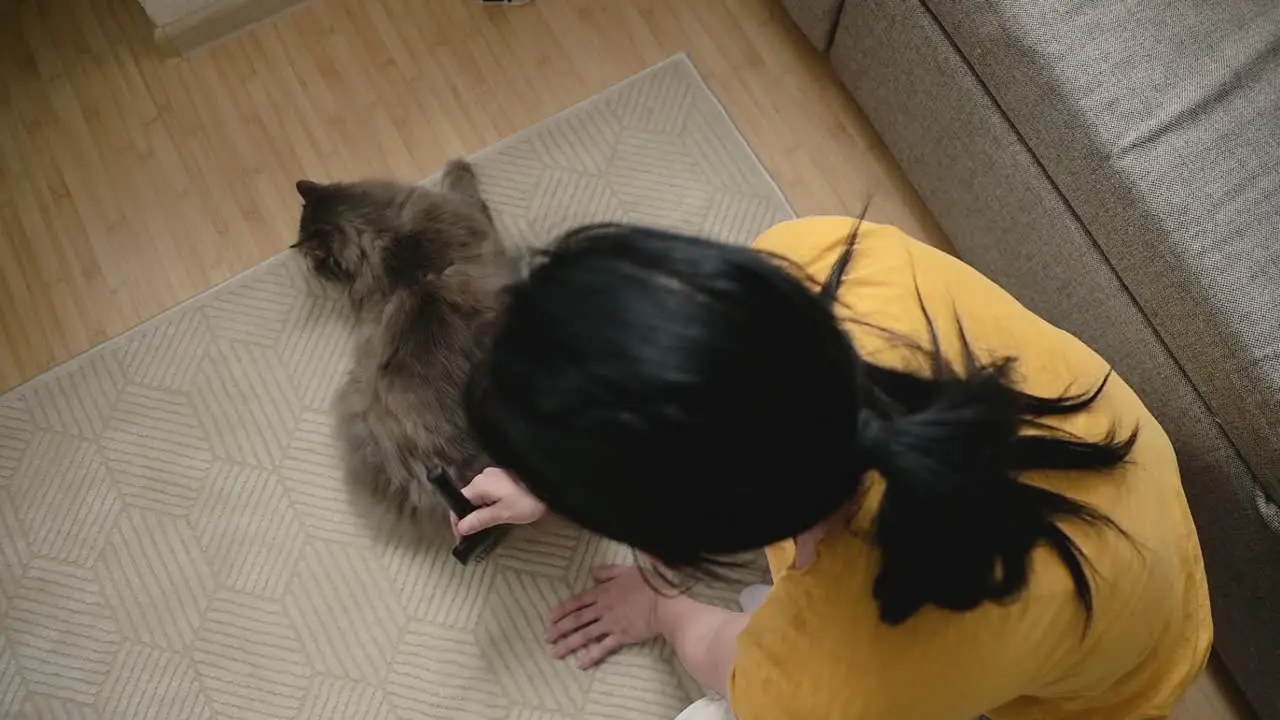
(308, 188)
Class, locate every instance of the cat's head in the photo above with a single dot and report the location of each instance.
(342, 225)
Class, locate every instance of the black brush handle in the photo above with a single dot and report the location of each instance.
(453, 497)
(478, 544)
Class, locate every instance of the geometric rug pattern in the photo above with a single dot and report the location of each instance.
(176, 540)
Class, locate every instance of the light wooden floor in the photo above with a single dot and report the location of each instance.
(129, 183)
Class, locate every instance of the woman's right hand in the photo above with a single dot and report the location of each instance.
(502, 500)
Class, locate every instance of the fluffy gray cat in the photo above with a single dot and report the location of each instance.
(424, 270)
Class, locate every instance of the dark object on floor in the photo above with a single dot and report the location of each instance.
(477, 545)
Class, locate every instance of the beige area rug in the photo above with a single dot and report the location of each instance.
(175, 538)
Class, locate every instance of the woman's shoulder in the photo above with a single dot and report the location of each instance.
(814, 242)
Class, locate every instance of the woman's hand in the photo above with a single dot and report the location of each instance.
(503, 501)
(621, 610)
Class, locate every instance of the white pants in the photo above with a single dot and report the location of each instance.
(717, 708)
(708, 708)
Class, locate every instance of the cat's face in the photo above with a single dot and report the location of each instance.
(330, 232)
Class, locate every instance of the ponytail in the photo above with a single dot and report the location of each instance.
(956, 526)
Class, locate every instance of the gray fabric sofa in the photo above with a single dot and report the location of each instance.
(1116, 166)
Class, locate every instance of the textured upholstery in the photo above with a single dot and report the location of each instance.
(816, 19)
(1171, 247)
(1160, 124)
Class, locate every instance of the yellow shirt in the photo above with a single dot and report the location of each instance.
(817, 648)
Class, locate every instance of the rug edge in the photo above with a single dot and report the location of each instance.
(737, 131)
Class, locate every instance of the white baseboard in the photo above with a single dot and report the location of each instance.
(217, 22)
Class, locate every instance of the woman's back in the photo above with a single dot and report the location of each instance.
(818, 647)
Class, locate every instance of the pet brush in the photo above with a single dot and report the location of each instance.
(476, 545)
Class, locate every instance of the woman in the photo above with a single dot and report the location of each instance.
(965, 511)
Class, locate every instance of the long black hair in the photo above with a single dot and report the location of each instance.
(693, 400)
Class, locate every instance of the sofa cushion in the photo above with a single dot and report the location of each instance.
(1159, 122)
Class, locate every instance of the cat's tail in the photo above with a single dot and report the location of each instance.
(460, 179)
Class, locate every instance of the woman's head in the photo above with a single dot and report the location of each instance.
(682, 396)
(693, 400)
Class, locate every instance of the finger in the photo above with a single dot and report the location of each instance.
(478, 492)
(487, 487)
(578, 640)
(453, 524)
(573, 604)
(573, 622)
(482, 518)
(596, 654)
(605, 573)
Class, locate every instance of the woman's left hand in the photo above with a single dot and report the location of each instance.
(620, 610)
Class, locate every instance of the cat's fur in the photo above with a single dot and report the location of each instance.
(424, 270)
